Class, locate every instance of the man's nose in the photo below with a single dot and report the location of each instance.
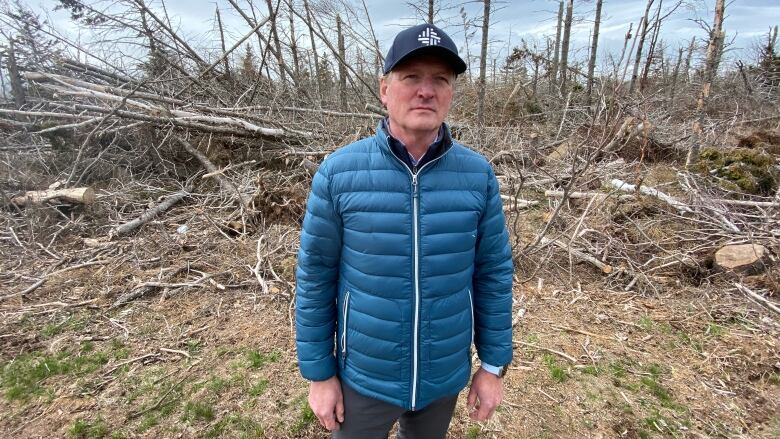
(426, 89)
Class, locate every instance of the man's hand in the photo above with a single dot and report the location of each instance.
(485, 394)
(327, 402)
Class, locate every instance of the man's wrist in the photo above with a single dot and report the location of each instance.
(498, 371)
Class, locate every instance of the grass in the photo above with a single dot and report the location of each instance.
(86, 429)
(557, 373)
(714, 330)
(198, 411)
(646, 323)
(234, 426)
(258, 388)
(24, 376)
(258, 360)
(304, 419)
(473, 432)
(591, 370)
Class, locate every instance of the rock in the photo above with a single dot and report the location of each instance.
(742, 258)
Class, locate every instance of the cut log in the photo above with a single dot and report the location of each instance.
(81, 195)
(150, 214)
(742, 258)
(653, 192)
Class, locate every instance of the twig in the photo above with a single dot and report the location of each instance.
(552, 351)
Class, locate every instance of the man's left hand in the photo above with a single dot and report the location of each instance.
(485, 395)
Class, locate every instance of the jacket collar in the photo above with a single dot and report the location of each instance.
(394, 146)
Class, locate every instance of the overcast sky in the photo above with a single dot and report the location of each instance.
(747, 21)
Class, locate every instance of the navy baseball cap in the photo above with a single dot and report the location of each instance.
(424, 39)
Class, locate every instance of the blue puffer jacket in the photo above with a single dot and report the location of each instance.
(404, 271)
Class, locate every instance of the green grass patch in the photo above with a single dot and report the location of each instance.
(198, 411)
(258, 360)
(473, 432)
(661, 393)
(304, 419)
(774, 378)
(258, 388)
(591, 370)
(714, 330)
(234, 426)
(23, 377)
(217, 384)
(88, 429)
(557, 373)
(618, 369)
(646, 323)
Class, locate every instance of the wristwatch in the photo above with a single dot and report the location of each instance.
(502, 371)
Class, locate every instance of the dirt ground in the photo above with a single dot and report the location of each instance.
(215, 357)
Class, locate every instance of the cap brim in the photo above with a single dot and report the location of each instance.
(455, 61)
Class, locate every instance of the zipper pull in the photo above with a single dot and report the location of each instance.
(414, 185)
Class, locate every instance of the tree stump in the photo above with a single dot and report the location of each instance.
(742, 258)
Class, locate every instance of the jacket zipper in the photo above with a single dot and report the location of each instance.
(344, 329)
(471, 305)
(415, 225)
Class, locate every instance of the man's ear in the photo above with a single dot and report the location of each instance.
(383, 90)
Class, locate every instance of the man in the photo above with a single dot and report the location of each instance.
(404, 262)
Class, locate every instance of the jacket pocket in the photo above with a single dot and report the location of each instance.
(344, 317)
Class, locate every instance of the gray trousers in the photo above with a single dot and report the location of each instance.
(368, 418)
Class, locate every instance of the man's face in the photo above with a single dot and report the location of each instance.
(418, 94)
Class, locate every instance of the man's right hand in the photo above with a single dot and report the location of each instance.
(327, 402)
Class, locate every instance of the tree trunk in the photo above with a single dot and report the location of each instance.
(565, 45)
(688, 58)
(710, 71)
(16, 80)
(342, 66)
(275, 36)
(556, 54)
(430, 11)
(651, 48)
(594, 48)
(222, 41)
(483, 65)
(641, 35)
(316, 71)
(293, 43)
(675, 75)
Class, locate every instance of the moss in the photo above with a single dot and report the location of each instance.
(749, 170)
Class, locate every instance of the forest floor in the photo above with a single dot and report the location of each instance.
(215, 356)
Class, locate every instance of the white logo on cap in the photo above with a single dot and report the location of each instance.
(429, 37)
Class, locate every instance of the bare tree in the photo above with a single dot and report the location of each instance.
(594, 48)
(222, 41)
(16, 81)
(342, 65)
(557, 49)
(293, 42)
(642, 31)
(565, 44)
(483, 64)
(710, 70)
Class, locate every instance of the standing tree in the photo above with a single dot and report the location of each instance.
(483, 65)
(710, 71)
(557, 49)
(594, 48)
(565, 44)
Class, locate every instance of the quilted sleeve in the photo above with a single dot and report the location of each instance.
(493, 282)
(316, 280)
